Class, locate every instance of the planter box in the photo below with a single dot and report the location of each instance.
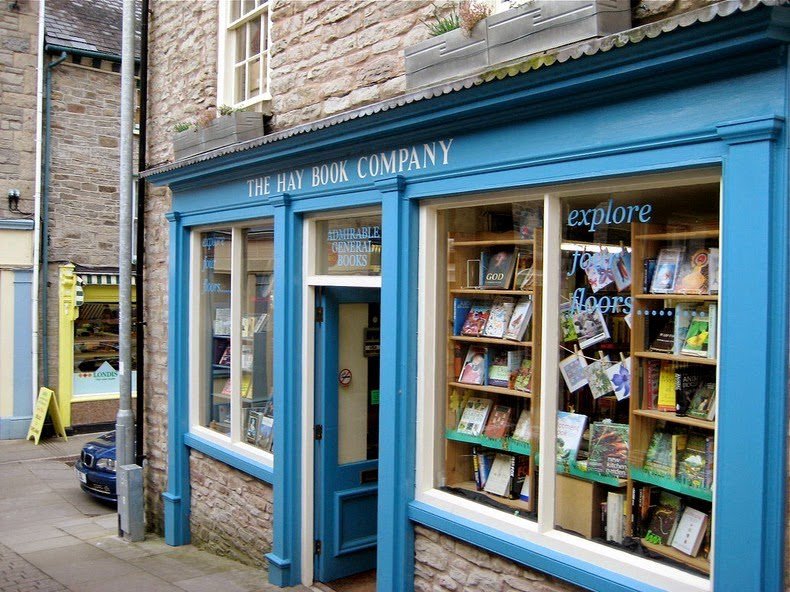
(513, 34)
(223, 131)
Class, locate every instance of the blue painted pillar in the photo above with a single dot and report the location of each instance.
(397, 407)
(753, 360)
(177, 496)
(285, 558)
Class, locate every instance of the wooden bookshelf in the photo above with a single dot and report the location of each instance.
(507, 444)
(486, 292)
(500, 242)
(675, 358)
(699, 563)
(494, 390)
(491, 340)
(670, 417)
(515, 504)
(679, 297)
(679, 235)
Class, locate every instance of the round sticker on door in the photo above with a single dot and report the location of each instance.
(344, 377)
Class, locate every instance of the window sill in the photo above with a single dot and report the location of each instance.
(238, 455)
(569, 557)
(265, 102)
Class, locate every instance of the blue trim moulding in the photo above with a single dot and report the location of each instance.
(17, 224)
(224, 455)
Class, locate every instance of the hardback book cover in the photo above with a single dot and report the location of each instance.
(696, 342)
(664, 342)
(474, 416)
(713, 313)
(499, 317)
(524, 270)
(666, 388)
(476, 319)
(703, 402)
(690, 531)
(523, 431)
(498, 481)
(693, 274)
(609, 449)
(474, 368)
(667, 266)
(519, 320)
(519, 472)
(499, 370)
(691, 462)
(664, 520)
(499, 271)
(461, 308)
(570, 429)
(499, 422)
(713, 271)
(685, 312)
(524, 376)
(659, 455)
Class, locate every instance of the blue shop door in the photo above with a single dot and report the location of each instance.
(347, 431)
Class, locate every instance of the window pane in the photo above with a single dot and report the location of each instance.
(235, 9)
(349, 246)
(492, 263)
(254, 72)
(248, 5)
(257, 337)
(241, 83)
(254, 36)
(636, 423)
(241, 44)
(215, 247)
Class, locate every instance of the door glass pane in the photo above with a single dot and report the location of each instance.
(215, 255)
(257, 337)
(347, 246)
(358, 382)
(637, 373)
(490, 257)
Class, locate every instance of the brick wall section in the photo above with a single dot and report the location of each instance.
(18, 87)
(442, 563)
(182, 84)
(231, 513)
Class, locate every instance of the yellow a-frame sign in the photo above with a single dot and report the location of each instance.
(46, 403)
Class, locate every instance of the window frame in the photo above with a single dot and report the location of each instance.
(232, 442)
(226, 58)
(431, 383)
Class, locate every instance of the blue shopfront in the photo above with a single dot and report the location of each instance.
(585, 261)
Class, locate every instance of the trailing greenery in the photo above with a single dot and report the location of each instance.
(226, 110)
(443, 24)
(183, 126)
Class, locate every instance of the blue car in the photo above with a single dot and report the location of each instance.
(96, 468)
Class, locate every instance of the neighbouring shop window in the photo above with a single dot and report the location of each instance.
(636, 423)
(247, 51)
(349, 246)
(96, 350)
(215, 292)
(492, 265)
(257, 337)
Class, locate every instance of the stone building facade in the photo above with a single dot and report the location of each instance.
(326, 58)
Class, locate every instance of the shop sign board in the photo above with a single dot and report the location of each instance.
(46, 403)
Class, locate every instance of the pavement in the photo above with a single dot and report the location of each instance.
(56, 538)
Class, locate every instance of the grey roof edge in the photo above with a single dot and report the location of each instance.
(523, 65)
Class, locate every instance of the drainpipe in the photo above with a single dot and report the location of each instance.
(140, 242)
(37, 217)
(44, 271)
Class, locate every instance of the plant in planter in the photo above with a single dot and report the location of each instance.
(210, 132)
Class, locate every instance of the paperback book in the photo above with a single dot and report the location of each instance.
(474, 368)
(664, 520)
(461, 307)
(519, 320)
(523, 431)
(500, 422)
(499, 370)
(499, 317)
(609, 449)
(690, 531)
(667, 266)
(693, 274)
(476, 319)
(524, 377)
(703, 403)
(474, 416)
(570, 429)
(499, 270)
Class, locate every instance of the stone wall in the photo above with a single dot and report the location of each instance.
(442, 563)
(231, 513)
(182, 84)
(18, 88)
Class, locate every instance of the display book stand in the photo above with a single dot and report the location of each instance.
(647, 241)
(458, 451)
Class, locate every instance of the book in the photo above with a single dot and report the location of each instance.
(709, 458)
(474, 368)
(687, 381)
(691, 462)
(572, 370)
(499, 422)
(525, 271)
(570, 429)
(662, 453)
(514, 358)
(621, 270)
(246, 383)
(225, 358)
(474, 416)
(523, 495)
(649, 269)
(615, 519)
(664, 520)
(696, 341)
(667, 265)
(519, 320)
(498, 481)
(519, 473)
(713, 313)
(690, 531)
(609, 449)
(692, 276)
(666, 388)
(476, 319)
(482, 460)
(685, 312)
(713, 270)
(265, 434)
(702, 404)
(499, 271)
(499, 317)
(664, 342)
(498, 373)
(253, 420)
(523, 430)
(524, 376)
(461, 308)
(652, 373)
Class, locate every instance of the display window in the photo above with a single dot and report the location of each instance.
(349, 246)
(571, 399)
(233, 289)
